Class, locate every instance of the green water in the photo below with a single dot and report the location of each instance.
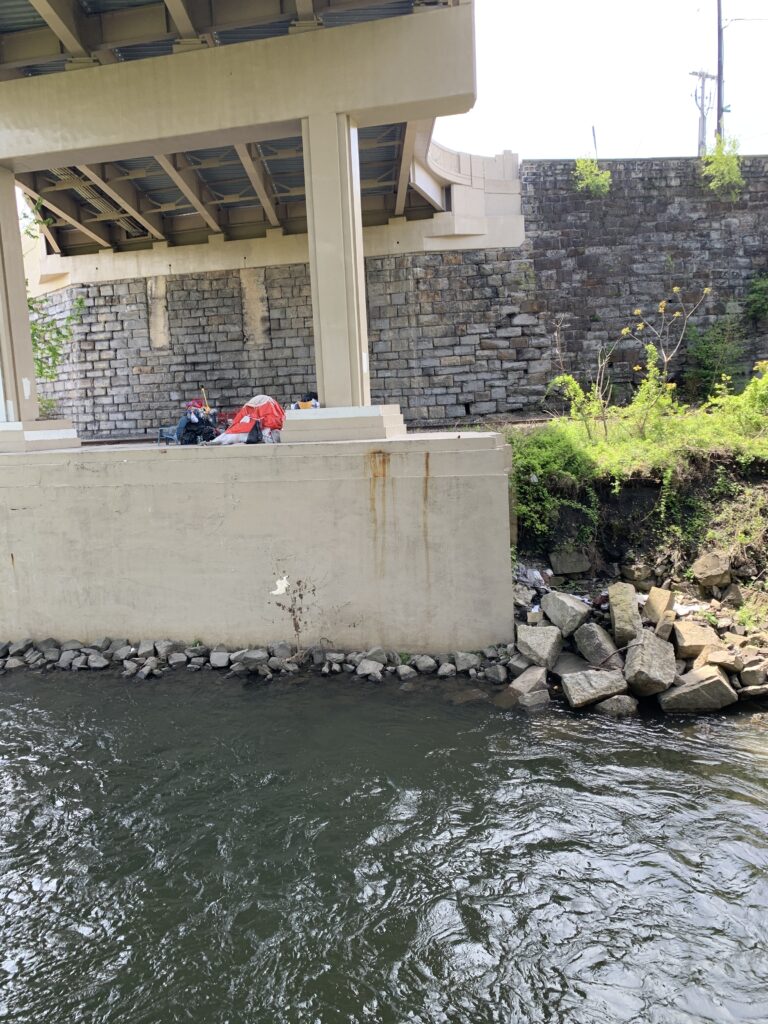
(334, 853)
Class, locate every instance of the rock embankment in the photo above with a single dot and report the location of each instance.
(609, 653)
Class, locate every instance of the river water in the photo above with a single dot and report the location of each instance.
(334, 852)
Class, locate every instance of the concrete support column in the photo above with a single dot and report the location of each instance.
(17, 366)
(337, 273)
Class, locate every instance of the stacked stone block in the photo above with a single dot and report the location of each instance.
(455, 337)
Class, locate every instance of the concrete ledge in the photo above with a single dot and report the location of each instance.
(348, 423)
(404, 543)
(37, 435)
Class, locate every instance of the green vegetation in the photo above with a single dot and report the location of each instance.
(756, 303)
(699, 460)
(589, 178)
(50, 336)
(721, 169)
(48, 408)
(751, 616)
(714, 355)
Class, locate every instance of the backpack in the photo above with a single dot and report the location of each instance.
(255, 434)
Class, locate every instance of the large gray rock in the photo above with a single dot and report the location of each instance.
(712, 569)
(517, 664)
(464, 661)
(197, 651)
(566, 562)
(15, 663)
(692, 637)
(219, 657)
(376, 654)
(447, 670)
(146, 649)
(626, 623)
(405, 672)
(582, 688)
(701, 690)
(253, 658)
(568, 662)
(368, 667)
(535, 700)
(66, 659)
(19, 649)
(565, 611)
(97, 661)
(496, 674)
(729, 661)
(650, 665)
(665, 625)
(597, 646)
(541, 644)
(177, 659)
(534, 678)
(754, 673)
(165, 647)
(424, 664)
(620, 706)
(659, 601)
(753, 692)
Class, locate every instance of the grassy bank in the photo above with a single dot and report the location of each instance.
(658, 478)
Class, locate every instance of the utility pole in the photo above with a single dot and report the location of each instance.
(704, 103)
(719, 127)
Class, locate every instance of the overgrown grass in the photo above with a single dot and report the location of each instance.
(703, 461)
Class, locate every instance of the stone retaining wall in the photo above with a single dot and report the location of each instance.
(454, 336)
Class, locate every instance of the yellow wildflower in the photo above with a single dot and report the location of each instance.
(678, 313)
(625, 331)
(707, 291)
(637, 368)
(637, 312)
(670, 386)
(640, 327)
(676, 289)
(662, 305)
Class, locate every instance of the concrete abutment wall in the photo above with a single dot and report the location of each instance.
(454, 336)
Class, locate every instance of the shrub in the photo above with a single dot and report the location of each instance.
(722, 169)
(756, 303)
(713, 355)
(589, 178)
(552, 476)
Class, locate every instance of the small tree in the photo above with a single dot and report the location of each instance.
(589, 178)
(722, 169)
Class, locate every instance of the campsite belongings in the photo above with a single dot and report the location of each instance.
(667, 659)
(197, 423)
(259, 421)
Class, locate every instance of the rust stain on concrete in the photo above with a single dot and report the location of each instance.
(378, 476)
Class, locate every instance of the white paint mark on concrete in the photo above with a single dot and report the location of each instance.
(281, 586)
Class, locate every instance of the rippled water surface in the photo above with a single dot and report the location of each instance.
(338, 853)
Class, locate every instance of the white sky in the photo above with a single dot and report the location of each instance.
(547, 70)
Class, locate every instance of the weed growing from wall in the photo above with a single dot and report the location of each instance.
(589, 178)
(721, 169)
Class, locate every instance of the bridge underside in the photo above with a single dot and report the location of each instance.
(161, 125)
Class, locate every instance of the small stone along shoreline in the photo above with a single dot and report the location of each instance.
(612, 656)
